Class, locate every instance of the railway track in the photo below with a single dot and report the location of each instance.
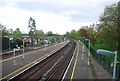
(51, 68)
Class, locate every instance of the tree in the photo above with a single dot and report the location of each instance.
(92, 34)
(67, 34)
(110, 23)
(40, 33)
(32, 27)
(73, 34)
(50, 33)
(83, 33)
(3, 30)
(17, 35)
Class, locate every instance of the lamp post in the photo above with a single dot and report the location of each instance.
(46, 44)
(105, 52)
(83, 51)
(89, 50)
(15, 49)
(23, 48)
(14, 63)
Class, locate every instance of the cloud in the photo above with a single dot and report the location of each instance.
(45, 21)
(58, 16)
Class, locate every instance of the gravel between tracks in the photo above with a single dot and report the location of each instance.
(52, 67)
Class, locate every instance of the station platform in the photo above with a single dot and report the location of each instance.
(14, 65)
(78, 68)
(26, 48)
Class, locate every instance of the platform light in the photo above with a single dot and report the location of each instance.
(105, 52)
(24, 48)
(15, 49)
(83, 51)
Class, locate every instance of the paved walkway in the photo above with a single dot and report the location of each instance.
(14, 65)
(79, 69)
(34, 47)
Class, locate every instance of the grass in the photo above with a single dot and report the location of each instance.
(109, 48)
(105, 47)
(88, 52)
(102, 46)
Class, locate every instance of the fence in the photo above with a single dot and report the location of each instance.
(105, 62)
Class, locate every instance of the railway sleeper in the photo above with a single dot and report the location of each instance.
(36, 64)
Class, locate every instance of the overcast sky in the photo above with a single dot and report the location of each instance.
(58, 16)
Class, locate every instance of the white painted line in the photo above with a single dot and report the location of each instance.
(33, 65)
(39, 49)
(69, 64)
(29, 53)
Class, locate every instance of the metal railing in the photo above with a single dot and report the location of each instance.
(105, 62)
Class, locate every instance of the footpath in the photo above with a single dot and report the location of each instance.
(78, 68)
(32, 48)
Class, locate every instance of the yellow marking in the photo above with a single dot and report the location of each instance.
(73, 71)
(6, 52)
(17, 56)
(22, 55)
(62, 45)
(31, 47)
(26, 65)
(89, 53)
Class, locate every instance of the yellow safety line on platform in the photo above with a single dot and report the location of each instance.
(73, 70)
(18, 56)
(12, 51)
(24, 54)
(89, 53)
(6, 52)
(42, 48)
(26, 65)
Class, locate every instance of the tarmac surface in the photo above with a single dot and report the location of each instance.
(14, 65)
(78, 68)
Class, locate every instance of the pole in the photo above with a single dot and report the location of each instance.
(23, 50)
(88, 54)
(88, 51)
(83, 50)
(115, 62)
(9, 43)
(14, 63)
(45, 45)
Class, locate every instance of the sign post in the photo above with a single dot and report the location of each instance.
(105, 52)
(18, 48)
(23, 48)
(46, 44)
(14, 63)
(83, 51)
